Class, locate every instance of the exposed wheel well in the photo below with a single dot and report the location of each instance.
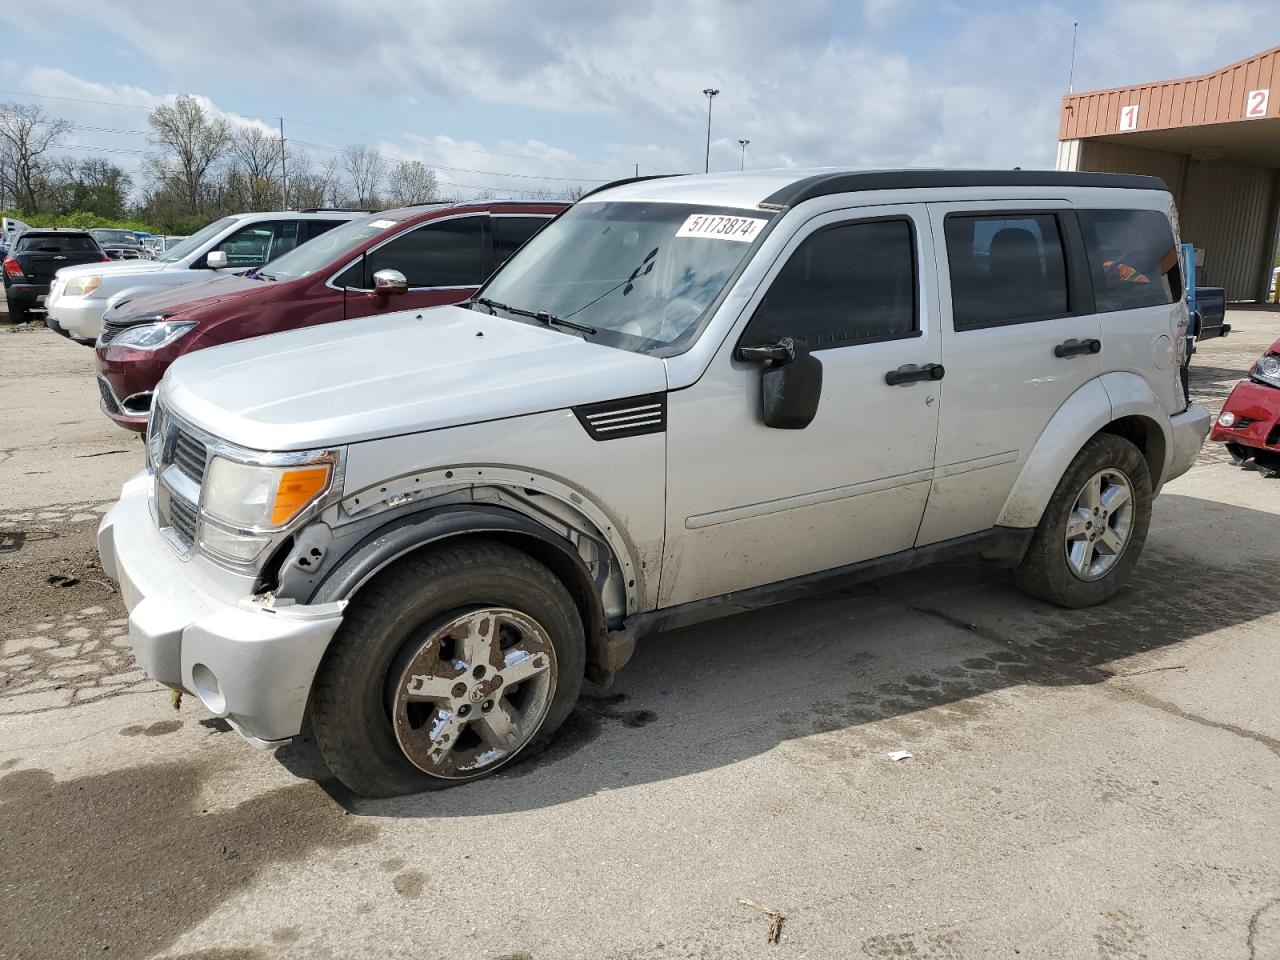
(1146, 435)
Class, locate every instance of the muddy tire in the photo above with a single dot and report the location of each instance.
(448, 666)
(1093, 530)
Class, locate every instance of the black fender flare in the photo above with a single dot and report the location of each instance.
(408, 533)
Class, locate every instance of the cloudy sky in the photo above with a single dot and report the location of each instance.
(503, 95)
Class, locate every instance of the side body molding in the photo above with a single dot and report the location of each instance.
(1096, 404)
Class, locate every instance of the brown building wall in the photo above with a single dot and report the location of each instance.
(1217, 97)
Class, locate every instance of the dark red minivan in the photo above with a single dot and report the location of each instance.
(413, 257)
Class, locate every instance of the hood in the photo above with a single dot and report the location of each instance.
(115, 268)
(400, 373)
(188, 298)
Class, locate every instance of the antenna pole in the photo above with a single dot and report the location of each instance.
(1071, 76)
(284, 177)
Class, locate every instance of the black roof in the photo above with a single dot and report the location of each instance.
(824, 184)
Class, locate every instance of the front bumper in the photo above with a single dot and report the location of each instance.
(1188, 430)
(1257, 409)
(248, 661)
(79, 318)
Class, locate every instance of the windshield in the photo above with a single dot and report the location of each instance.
(641, 274)
(197, 240)
(314, 254)
(114, 236)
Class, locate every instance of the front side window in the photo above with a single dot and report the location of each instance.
(259, 243)
(1133, 258)
(338, 243)
(445, 253)
(1005, 268)
(512, 233)
(641, 274)
(845, 284)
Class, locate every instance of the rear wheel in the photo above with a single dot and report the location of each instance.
(1094, 527)
(448, 667)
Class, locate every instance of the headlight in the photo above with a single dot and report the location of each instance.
(153, 336)
(82, 286)
(1267, 369)
(248, 496)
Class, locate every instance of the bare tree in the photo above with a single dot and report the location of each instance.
(365, 172)
(256, 155)
(411, 182)
(193, 141)
(27, 133)
(312, 184)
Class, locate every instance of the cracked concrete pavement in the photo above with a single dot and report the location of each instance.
(1085, 784)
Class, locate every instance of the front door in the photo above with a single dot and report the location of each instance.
(445, 261)
(748, 504)
(1019, 336)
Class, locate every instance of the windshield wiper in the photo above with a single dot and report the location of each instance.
(541, 316)
(259, 275)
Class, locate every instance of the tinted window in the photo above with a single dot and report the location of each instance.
(314, 228)
(56, 243)
(1133, 258)
(845, 284)
(1005, 269)
(260, 243)
(449, 253)
(510, 234)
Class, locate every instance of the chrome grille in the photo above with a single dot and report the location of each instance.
(109, 402)
(182, 517)
(109, 332)
(189, 455)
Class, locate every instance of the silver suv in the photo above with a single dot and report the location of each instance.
(685, 397)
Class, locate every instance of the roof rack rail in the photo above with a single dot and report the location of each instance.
(626, 180)
(825, 184)
(336, 210)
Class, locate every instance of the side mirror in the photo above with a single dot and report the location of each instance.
(388, 283)
(791, 386)
(217, 260)
(1195, 324)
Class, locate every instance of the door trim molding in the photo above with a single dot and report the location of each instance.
(764, 508)
(977, 463)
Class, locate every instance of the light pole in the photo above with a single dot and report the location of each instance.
(711, 95)
(743, 161)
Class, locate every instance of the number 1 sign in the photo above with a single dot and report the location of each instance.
(1255, 104)
(1129, 117)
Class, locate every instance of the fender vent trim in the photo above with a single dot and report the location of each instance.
(629, 417)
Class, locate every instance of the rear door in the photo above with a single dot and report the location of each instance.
(444, 261)
(1019, 331)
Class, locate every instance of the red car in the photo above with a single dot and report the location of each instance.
(421, 256)
(1250, 420)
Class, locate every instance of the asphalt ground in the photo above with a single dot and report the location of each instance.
(1098, 783)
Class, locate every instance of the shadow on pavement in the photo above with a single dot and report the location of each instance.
(922, 646)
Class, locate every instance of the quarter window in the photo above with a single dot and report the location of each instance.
(1133, 258)
(1006, 268)
(850, 283)
(447, 253)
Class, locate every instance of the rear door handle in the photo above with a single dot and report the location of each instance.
(910, 373)
(1071, 348)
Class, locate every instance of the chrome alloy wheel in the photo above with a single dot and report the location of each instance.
(1100, 525)
(474, 692)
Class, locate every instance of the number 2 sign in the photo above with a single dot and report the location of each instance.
(1129, 117)
(1255, 105)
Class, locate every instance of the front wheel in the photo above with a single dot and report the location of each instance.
(448, 666)
(1094, 527)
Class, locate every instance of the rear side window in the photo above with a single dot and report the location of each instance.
(510, 234)
(1006, 268)
(1132, 257)
(313, 228)
(54, 243)
(448, 253)
(845, 284)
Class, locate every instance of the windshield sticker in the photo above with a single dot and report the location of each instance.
(713, 226)
(382, 224)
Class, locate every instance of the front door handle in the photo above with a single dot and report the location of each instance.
(1071, 348)
(910, 373)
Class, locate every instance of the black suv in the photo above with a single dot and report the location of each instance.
(33, 260)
